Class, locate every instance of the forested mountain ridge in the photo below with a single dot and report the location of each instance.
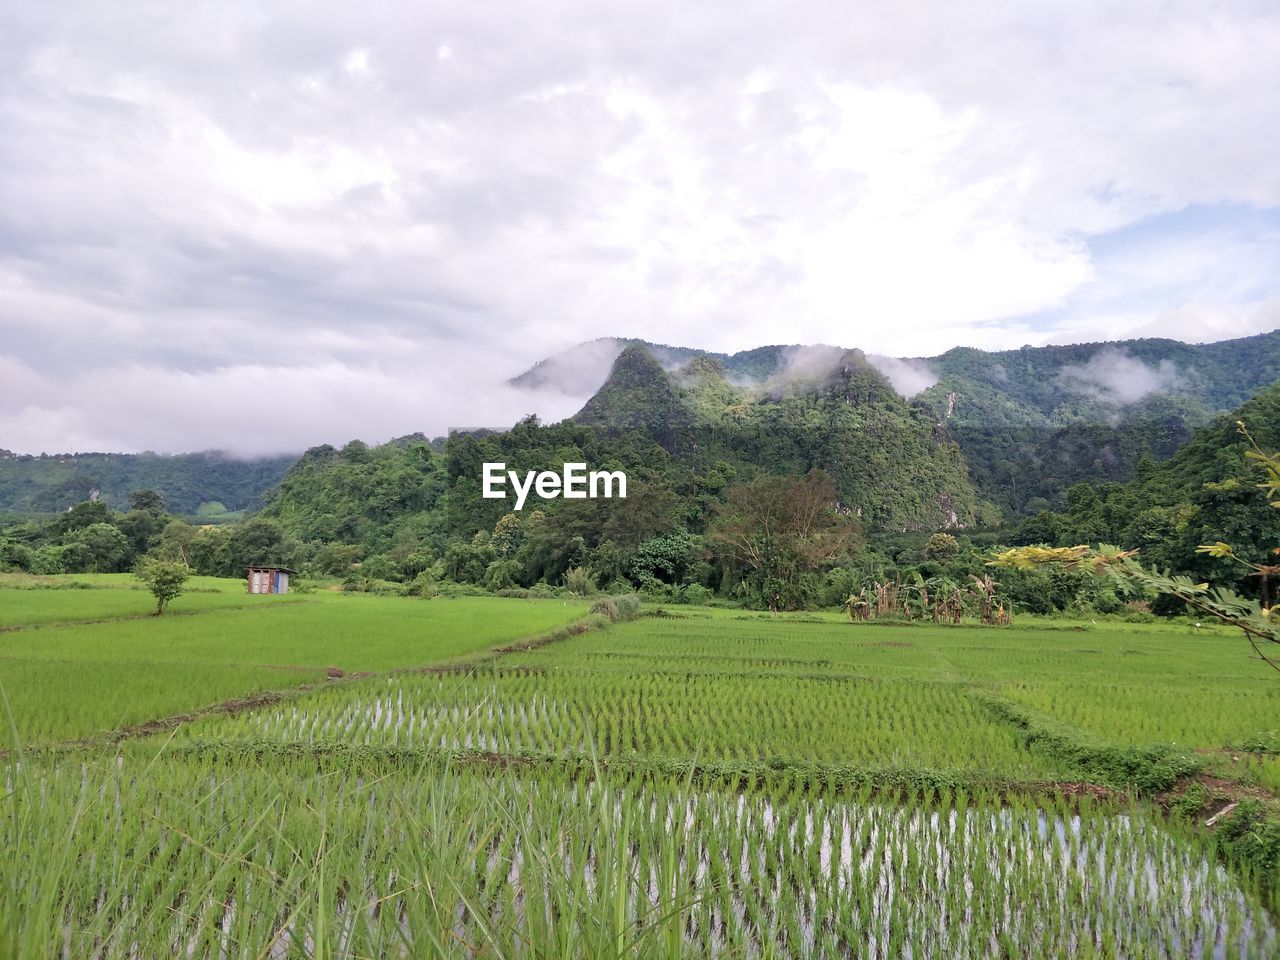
(1037, 386)
(893, 463)
(683, 439)
(1206, 492)
(1031, 422)
(53, 483)
(1060, 384)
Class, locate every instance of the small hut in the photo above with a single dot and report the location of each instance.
(269, 579)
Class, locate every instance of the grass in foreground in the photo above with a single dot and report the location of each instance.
(162, 857)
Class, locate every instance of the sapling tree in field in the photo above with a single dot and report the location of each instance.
(1252, 617)
(164, 578)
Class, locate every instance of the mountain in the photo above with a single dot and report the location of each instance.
(1206, 492)
(892, 462)
(683, 438)
(52, 483)
(582, 370)
(1055, 385)
(638, 395)
(1031, 422)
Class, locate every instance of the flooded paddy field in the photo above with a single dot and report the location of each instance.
(194, 857)
(702, 785)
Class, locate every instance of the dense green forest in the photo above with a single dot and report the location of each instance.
(1031, 422)
(719, 467)
(1206, 492)
(53, 483)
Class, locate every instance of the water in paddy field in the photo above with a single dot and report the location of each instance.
(736, 874)
(755, 874)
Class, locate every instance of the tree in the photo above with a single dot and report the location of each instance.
(175, 540)
(781, 530)
(1221, 603)
(106, 544)
(141, 528)
(257, 541)
(663, 558)
(82, 515)
(147, 500)
(164, 578)
(941, 546)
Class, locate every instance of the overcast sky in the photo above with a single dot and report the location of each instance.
(259, 226)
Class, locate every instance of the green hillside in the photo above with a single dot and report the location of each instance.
(689, 442)
(893, 465)
(1207, 491)
(53, 483)
(1031, 422)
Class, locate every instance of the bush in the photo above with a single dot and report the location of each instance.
(423, 585)
(502, 574)
(1249, 840)
(654, 589)
(696, 593)
(839, 584)
(16, 556)
(1268, 743)
(1188, 804)
(1139, 616)
(941, 546)
(617, 609)
(580, 582)
(377, 567)
(448, 589)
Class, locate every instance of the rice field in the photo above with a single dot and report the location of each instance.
(28, 600)
(709, 784)
(211, 859)
(1126, 683)
(1205, 713)
(703, 718)
(66, 681)
(51, 701)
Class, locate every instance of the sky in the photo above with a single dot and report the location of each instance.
(257, 227)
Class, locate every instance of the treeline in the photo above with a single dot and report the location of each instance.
(831, 493)
(93, 538)
(1207, 492)
(767, 542)
(54, 483)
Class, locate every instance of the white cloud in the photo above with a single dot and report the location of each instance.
(1193, 322)
(1113, 376)
(356, 61)
(405, 191)
(251, 409)
(909, 377)
(576, 372)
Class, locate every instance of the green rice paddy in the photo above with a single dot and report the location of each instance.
(416, 779)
